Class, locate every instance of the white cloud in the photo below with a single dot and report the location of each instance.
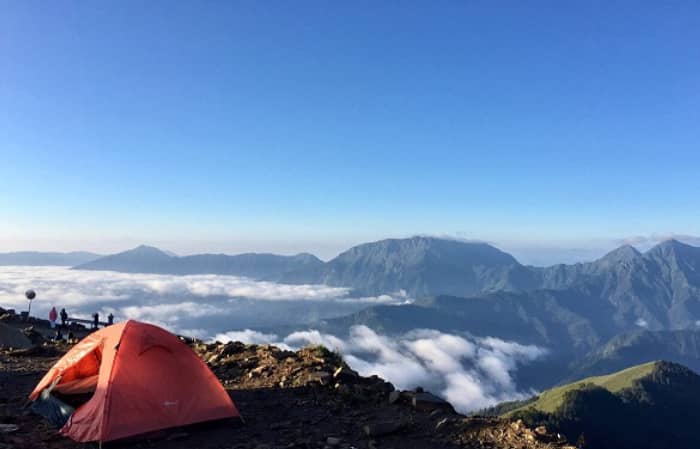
(314, 337)
(471, 373)
(246, 336)
(641, 322)
(63, 287)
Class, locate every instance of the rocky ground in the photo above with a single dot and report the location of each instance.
(307, 399)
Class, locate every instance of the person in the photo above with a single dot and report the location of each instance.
(95, 320)
(64, 317)
(59, 335)
(52, 317)
(110, 319)
(71, 337)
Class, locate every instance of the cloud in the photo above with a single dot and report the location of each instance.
(246, 336)
(641, 322)
(169, 299)
(471, 373)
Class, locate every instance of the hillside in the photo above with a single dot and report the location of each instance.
(551, 400)
(36, 258)
(289, 399)
(641, 346)
(655, 401)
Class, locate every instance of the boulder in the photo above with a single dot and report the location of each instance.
(428, 402)
(383, 428)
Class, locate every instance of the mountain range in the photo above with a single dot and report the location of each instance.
(36, 258)
(147, 259)
(592, 316)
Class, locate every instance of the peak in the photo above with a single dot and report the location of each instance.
(625, 252)
(671, 246)
(148, 250)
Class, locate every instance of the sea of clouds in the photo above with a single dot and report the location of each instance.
(193, 303)
(470, 372)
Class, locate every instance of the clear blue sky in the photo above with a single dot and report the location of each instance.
(282, 125)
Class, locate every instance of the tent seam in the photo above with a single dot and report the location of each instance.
(105, 410)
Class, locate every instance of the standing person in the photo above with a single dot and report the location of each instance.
(53, 315)
(110, 319)
(64, 317)
(95, 320)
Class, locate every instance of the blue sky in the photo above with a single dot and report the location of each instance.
(282, 126)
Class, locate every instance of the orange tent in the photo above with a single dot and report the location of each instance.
(144, 379)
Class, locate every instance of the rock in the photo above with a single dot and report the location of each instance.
(383, 428)
(345, 374)
(322, 377)
(333, 441)
(428, 402)
(8, 428)
(394, 396)
(441, 423)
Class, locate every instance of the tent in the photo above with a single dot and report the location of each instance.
(128, 379)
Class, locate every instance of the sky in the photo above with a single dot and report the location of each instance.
(312, 126)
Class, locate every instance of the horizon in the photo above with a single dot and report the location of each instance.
(536, 256)
(254, 127)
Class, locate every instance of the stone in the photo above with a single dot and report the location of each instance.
(322, 377)
(345, 374)
(394, 396)
(428, 402)
(441, 423)
(382, 428)
(333, 441)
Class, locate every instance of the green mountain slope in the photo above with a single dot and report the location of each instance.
(649, 406)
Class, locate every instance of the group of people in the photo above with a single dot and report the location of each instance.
(54, 315)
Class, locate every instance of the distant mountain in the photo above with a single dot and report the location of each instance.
(426, 266)
(422, 267)
(659, 289)
(641, 346)
(147, 259)
(35, 258)
(142, 259)
(650, 406)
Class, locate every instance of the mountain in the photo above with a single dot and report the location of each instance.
(147, 259)
(426, 266)
(656, 403)
(623, 291)
(659, 289)
(142, 259)
(641, 346)
(35, 258)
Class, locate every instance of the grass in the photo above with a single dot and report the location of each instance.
(551, 399)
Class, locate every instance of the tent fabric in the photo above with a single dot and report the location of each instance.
(146, 380)
(78, 386)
